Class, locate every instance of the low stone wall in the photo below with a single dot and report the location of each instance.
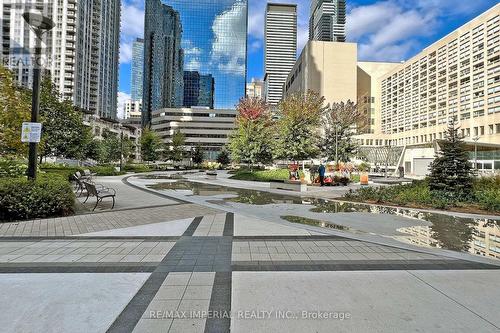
(289, 186)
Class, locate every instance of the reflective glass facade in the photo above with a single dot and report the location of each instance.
(214, 42)
(137, 69)
(163, 84)
(198, 90)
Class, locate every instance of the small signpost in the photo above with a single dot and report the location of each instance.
(32, 132)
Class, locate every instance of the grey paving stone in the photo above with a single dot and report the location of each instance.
(153, 326)
(159, 308)
(188, 326)
(202, 279)
(197, 292)
(177, 279)
(170, 292)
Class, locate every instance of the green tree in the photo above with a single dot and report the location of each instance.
(198, 154)
(63, 131)
(93, 149)
(151, 145)
(451, 171)
(253, 139)
(176, 147)
(223, 157)
(342, 121)
(128, 148)
(110, 148)
(298, 126)
(15, 108)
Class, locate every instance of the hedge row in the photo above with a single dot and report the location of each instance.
(48, 196)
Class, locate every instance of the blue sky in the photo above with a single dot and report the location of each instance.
(386, 30)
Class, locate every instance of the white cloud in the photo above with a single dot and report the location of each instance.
(254, 46)
(366, 19)
(132, 27)
(229, 37)
(132, 20)
(122, 98)
(192, 65)
(390, 30)
(125, 52)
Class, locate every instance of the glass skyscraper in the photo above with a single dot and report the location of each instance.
(214, 40)
(198, 90)
(137, 69)
(163, 82)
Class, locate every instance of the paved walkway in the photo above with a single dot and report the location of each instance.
(126, 197)
(81, 224)
(192, 268)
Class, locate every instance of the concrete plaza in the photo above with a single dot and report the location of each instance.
(173, 263)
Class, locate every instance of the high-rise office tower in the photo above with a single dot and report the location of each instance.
(198, 90)
(137, 69)
(280, 48)
(214, 40)
(163, 59)
(80, 53)
(328, 20)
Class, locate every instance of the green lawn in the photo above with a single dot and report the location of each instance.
(261, 175)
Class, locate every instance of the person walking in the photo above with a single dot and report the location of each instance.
(322, 171)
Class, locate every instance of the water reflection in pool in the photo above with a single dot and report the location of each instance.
(314, 222)
(477, 236)
(250, 197)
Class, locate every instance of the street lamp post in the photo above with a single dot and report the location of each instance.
(39, 24)
(121, 149)
(476, 139)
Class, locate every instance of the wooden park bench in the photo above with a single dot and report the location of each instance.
(100, 192)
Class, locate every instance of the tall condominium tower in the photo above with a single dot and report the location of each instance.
(137, 69)
(280, 48)
(163, 59)
(80, 53)
(327, 21)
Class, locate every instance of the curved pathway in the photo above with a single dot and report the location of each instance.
(177, 266)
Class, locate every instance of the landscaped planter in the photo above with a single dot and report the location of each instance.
(289, 185)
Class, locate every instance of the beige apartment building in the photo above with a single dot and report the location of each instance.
(328, 68)
(408, 105)
(457, 77)
(209, 128)
(332, 70)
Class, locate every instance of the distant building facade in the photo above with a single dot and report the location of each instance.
(209, 129)
(137, 69)
(163, 59)
(80, 53)
(132, 109)
(458, 78)
(256, 89)
(280, 52)
(327, 22)
(198, 90)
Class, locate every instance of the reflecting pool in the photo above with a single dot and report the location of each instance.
(476, 236)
